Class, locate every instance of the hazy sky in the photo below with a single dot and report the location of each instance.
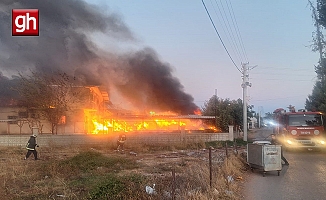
(276, 36)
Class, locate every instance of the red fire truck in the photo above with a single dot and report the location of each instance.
(300, 129)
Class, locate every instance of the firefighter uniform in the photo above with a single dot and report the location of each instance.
(30, 146)
(121, 142)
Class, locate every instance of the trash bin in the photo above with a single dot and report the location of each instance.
(264, 157)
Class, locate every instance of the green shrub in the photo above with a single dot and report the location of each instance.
(89, 160)
(220, 144)
(117, 187)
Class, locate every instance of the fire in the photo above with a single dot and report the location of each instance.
(151, 122)
(197, 112)
(113, 126)
(98, 127)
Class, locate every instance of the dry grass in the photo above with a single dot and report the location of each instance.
(98, 172)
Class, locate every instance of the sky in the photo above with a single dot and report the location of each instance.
(275, 38)
(168, 54)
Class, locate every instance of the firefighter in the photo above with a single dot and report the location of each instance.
(121, 141)
(274, 142)
(30, 146)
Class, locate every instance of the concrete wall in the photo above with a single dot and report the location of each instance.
(144, 138)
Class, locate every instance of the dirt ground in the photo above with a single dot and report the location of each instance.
(164, 167)
(162, 164)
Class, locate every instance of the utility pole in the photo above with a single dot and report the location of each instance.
(244, 85)
(215, 108)
(258, 117)
(260, 110)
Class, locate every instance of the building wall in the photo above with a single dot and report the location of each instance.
(5, 125)
(23, 127)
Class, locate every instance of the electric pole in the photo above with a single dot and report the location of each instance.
(215, 107)
(244, 85)
(259, 116)
(260, 110)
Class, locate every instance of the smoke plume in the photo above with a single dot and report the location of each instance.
(65, 45)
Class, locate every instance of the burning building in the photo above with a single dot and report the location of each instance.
(113, 119)
(129, 91)
(97, 115)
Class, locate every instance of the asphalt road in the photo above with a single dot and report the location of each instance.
(304, 178)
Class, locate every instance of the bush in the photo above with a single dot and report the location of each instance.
(90, 160)
(115, 187)
(220, 144)
(97, 173)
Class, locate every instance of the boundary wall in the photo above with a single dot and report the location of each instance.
(132, 138)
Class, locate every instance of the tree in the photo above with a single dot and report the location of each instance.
(227, 112)
(269, 116)
(49, 96)
(317, 100)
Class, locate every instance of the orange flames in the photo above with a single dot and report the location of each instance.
(197, 112)
(101, 117)
(129, 126)
(151, 122)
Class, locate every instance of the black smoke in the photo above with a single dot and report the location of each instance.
(65, 45)
(8, 96)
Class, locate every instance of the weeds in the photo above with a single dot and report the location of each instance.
(98, 172)
(89, 161)
(220, 144)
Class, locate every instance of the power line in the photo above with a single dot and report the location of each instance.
(220, 37)
(272, 99)
(275, 79)
(231, 16)
(230, 26)
(285, 68)
(238, 34)
(290, 74)
(227, 29)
